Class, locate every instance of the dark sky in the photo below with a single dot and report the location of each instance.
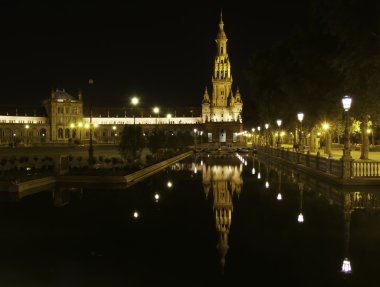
(160, 51)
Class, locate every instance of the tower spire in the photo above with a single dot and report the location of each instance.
(221, 27)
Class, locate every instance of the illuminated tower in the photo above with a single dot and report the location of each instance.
(223, 106)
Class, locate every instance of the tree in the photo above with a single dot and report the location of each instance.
(356, 27)
(333, 53)
(131, 140)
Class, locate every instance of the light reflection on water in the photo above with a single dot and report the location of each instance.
(204, 221)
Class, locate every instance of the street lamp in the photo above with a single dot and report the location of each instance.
(370, 132)
(346, 158)
(327, 139)
(169, 116)
(266, 134)
(156, 110)
(279, 122)
(300, 118)
(114, 134)
(346, 101)
(201, 134)
(195, 139)
(134, 102)
(27, 134)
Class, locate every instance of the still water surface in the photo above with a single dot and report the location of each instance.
(219, 222)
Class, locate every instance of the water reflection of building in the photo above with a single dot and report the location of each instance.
(224, 181)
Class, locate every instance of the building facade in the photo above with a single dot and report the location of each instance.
(65, 119)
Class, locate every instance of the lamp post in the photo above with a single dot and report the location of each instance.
(134, 102)
(195, 139)
(327, 139)
(370, 133)
(201, 135)
(169, 116)
(27, 134)
(114, 134)
(279, 122)
(266, 134)
(300, 118)
(346, 158)
(156, 110)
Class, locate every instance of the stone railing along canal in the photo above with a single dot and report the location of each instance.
(349, 169)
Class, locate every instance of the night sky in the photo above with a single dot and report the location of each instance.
(160, 51)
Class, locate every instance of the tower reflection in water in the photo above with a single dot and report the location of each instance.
(222, 182)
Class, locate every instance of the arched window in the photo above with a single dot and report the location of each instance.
(67, 133)
(60, 133)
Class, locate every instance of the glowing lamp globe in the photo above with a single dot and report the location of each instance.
(346, 101)
(346, 266)
(300, 116)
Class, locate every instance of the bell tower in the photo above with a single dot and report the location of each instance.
(221, 78)
(222, 107)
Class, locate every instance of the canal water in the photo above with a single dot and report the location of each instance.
(207, 221)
